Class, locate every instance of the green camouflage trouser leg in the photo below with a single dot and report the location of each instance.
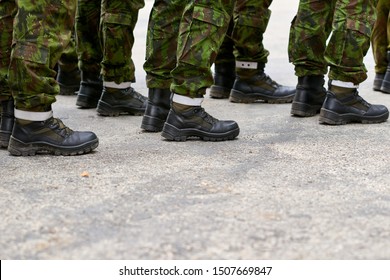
(42, 30)
(7, 14)
(381, 36)
(89, 49)
(201, 34)
(161, 44)
(351, 24)
(118, 19)
(251, 18)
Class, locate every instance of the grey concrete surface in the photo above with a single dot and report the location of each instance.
(287, 188)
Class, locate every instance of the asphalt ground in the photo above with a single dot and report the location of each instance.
(286, 188)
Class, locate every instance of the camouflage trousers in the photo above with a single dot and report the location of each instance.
(349, 25)
(244, 39)
(161, 42)
(201, 33)
(118, 19)
(7, 14)
(89, 51)
(42, 30)
(381, 36)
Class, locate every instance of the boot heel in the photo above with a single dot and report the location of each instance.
(172, 133)
(105, 109)
(17, 148)
(152, 124)
(329, 117)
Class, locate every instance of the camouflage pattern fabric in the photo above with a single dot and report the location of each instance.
(68, 61)
(7, 14)
(381, 36)
(89, 49)
(161, 43)
(42, 30)
(201, 33)
(118, 19)
(350, 25)
(251, 18)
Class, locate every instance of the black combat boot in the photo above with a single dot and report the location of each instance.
(157, 109)
(50, 137)
(193, 121)
(344, 105)
(91, 88)
(69, 81)
(309, 96)
(378, 80)
(252, 85)
(7, 122)
(224, 76)
(114, 102)
(386, 79)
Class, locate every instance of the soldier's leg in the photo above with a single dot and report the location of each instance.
(89, 52)
(380, 42)
(252, 84)
(383, 52)
(7, 14)
(68, 74)
(224, 67)
(350, 41)
(41, 33)
(309, 31)
(161, 44)
(202, 30)
(118, 19)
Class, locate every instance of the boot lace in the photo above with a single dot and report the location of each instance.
(205, 116)
(58, 125)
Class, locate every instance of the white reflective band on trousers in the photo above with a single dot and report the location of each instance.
(246, 64)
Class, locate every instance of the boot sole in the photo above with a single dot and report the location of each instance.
(173, 133)
(19, 148)
(107, 110)
(330, 117)
(304, 110)
(152, 124)
(240, 97)
(219, 92)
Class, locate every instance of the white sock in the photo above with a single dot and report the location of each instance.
(115, 85)
(185, 100)
(33, 116)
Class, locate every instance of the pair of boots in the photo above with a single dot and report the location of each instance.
(382, 80)
(109, 101)
(180, 122)
(339, 105)
(27, 138)
(246, 82)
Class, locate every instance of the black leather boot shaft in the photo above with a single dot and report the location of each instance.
(157, 109)
(69, 82)
(309, 96)
(91, 88)
(7, 120)
(385, 88)
(224, 76)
